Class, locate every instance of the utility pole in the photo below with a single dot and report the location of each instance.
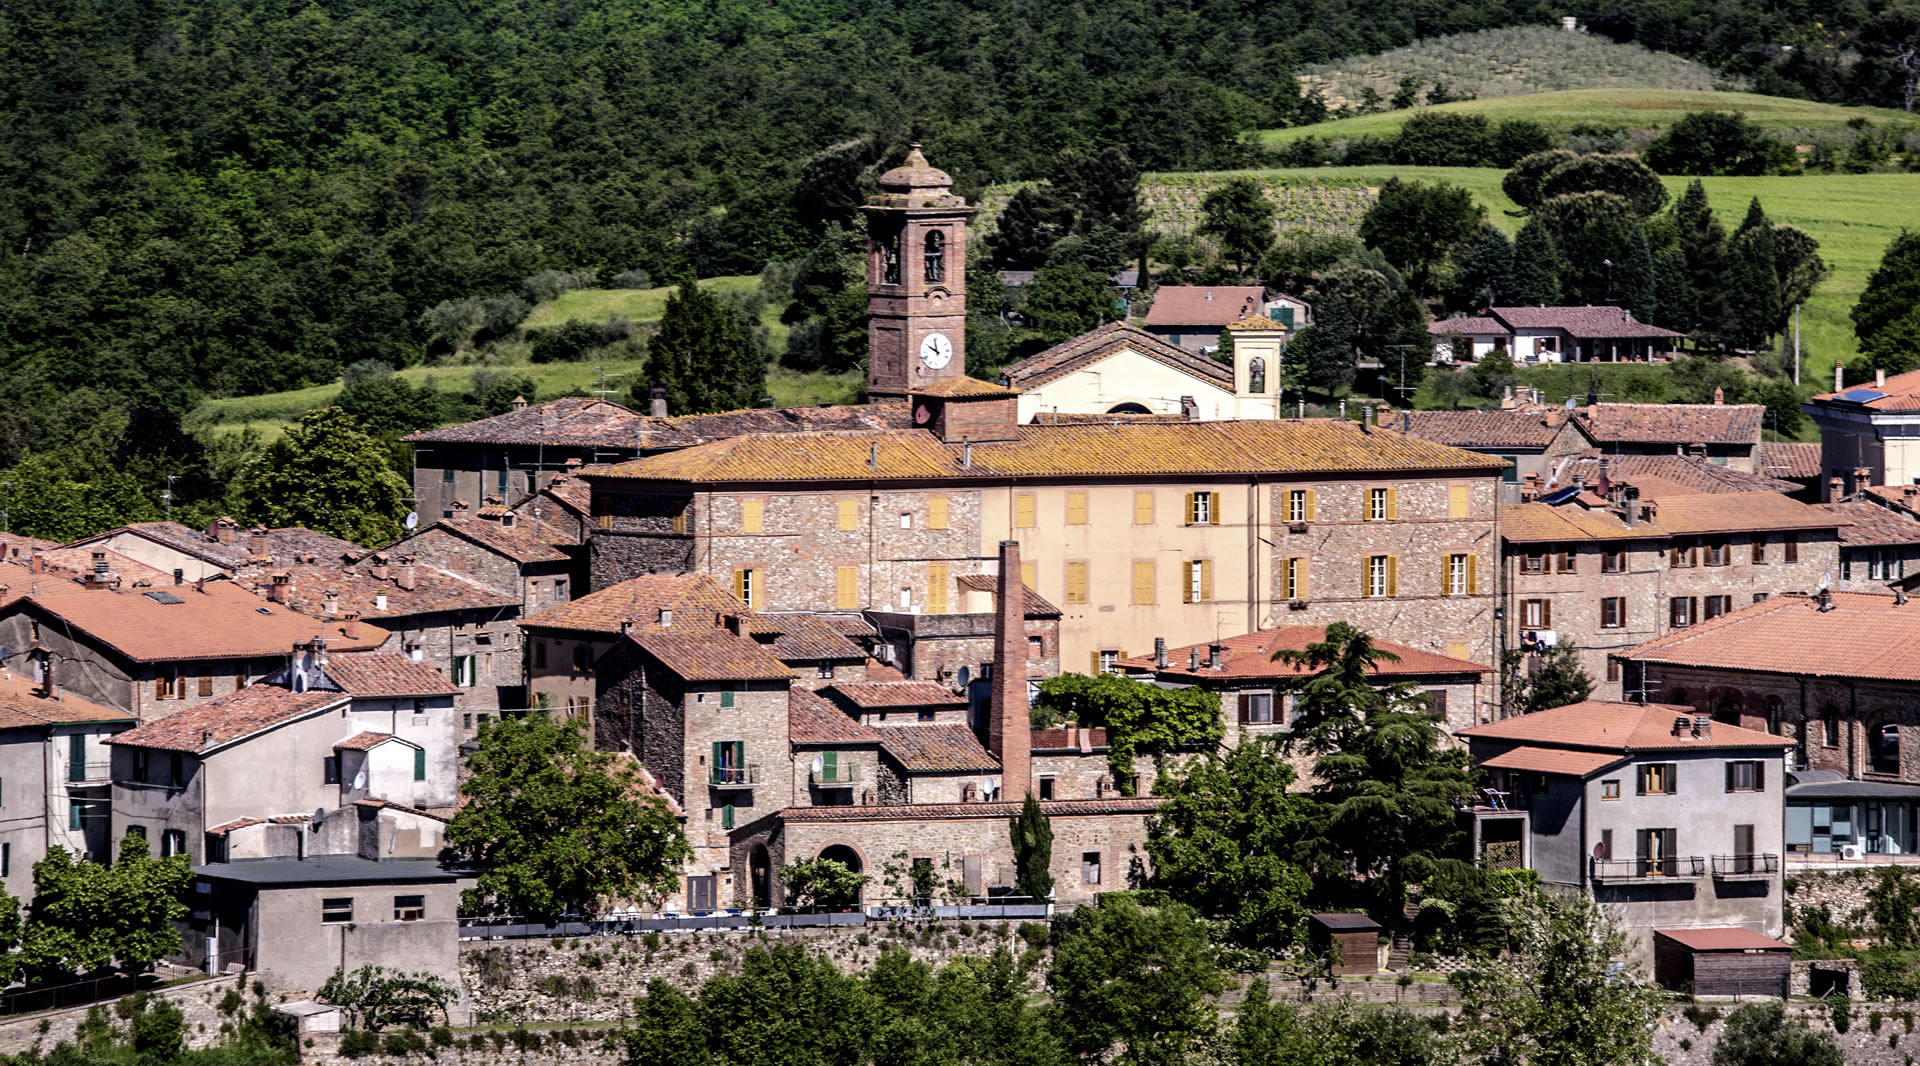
(1796, 344)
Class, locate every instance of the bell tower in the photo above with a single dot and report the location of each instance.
(916, 280)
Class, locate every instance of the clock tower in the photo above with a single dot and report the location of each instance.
(916, 280)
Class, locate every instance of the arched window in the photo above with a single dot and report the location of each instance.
(890, 259)
(1884, 743)
(936, 256)
(1775, 712)
(1830, 726)
(1727, 709)
(1256, 374)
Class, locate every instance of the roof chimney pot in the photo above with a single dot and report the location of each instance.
(1160, 652)
(658, 402)
(1213, 656)
(1719, 396)
(409, 576)
(1879, 377)
(1703, 727)
(1839, 377)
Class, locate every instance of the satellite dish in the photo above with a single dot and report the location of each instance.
(1599, 851)
(359, 780)
(1823, 581)
(412, 519)
(818, 764)
(962, 676)
(319, 817)
(1570, 406)
(993, 784)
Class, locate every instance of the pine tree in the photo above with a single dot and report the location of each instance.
(1704, 243)
(1032, 221)
(1674, 290)
(1887, 317)
(1110, 192)
(1485, 275)
(1642, 281)
(693, 356)
(1536, 266)
(1753, 285)
(1032, 851)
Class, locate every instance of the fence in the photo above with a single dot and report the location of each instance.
(84, 993)
(641, 923)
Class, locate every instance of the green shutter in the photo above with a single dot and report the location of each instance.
(419, 764)
(829, 765)
(73, 814)
(77, 757)
(726, 698)
(726, 816)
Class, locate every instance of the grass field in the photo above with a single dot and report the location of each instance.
(1632, 108)
(272, 412)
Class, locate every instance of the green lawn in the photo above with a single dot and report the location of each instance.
(1633, 108)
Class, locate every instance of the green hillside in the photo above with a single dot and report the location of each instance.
(1631, 108)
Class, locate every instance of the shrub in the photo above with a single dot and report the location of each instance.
(1840, 1009)
(231, 1001)
(652, 941)
(633, 279)
(404, 1042)
(1886, 973)
(525, 1040)
(441, 1036)
(359, 1042)
(1701, 1017)
(1035, 934)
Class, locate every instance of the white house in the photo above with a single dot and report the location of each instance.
(1123, 370)
(1480, 337)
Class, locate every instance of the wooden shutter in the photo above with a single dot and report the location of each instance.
(937, 583)
(1023, 511)
(1728, 767)
(1076, 508)
(1186, 581)
(1206, 580)
(1643, 844)
(1546, 614)
(1093, 664)
(752, 512)
(1457, 501)
(1473, 574)
(1446, 575)
(1192, 516)
(680, 523)
(1310, 507)
(740, 585)
(1760, 775)
(937, 513)
(1030, 575)
(1393, 575)
(1246, 708)
(1673, 780)
(1393, 504)
(1213, 508)
(849, 516)
(1143, 508)
(829, 765)
(1673, 611)
(1606, 843)
(1743, 840)
(1076, 582)
(1143, 582)
(846, 588)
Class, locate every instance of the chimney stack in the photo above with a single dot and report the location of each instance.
(226, 531)
(1010, 727)
(257, 545)
(1719, 396)
(1861, 478)
(330, 602)
(1631, 511)
(282, 588)
(36, 562)
(1160, 652)
(659, 402)
(459, 510)
(1703, 727)
(1839, 377)
(409, 576)
(1213, 656)
(1193, 658)
(352, 626)
(1681, 725)
(519, 403)
(47, 690)
(1834, 490)
(179, 576)
(97, 577)
(1879, 378)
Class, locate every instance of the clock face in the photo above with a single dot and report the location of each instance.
(936, 351)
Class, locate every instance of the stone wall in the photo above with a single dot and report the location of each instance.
(37, 1033)
(1679, 1041)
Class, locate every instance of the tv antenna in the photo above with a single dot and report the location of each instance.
(166, 495)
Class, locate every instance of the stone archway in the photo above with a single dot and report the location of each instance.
(848, 856)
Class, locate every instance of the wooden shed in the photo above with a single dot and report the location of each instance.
(1354, 937)
(1721, 962)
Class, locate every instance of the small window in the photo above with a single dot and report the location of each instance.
(336, 911)
(1613, 561)
(1046, 787)
(176, 770)
(1718, 553)
(1536, 614)
(446, 477)
(1790, 547)
(1760, 548)
(1293, 579)
(173, 842)
(1830, 727)
(906, 520)
(1377, 505)
(1610, 789)
(1680, 611)
(330, 769)
(1659, 779)
(1089, 867)
(1511, 475)
(1036, 648)
(726, 697)
(1884, 742)
(1717, 606)
(166, 685)
(1533, 561)
(465, 672)
(204, 686)
(1746, 775)
(560, 593)
(823, 670)
(1380, 576)
(1613, 612)
(1256, 375)
(582, 658)
(409, 908)
(1297, 507)
(1109, 662)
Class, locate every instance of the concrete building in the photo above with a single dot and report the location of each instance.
(1669, 818)
(1468, 338)
(1176, 530)
(1869, 434)
(1119, 369)
(54, 784)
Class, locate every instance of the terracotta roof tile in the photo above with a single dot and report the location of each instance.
(927, 812)
(434, 591)
(1250, 655)
(812, 720)
(1672, 423)
(1203, 305)
(1551, 761)
(1094, 450)
(1865, 635)
(936, 749)
(366, 741)
(1617, 727)
(1788, 459)
(21, 706)
(1871, 523)
(1666, 472)
(1903, 498)
(1063, 739)
(222, 621)
(283, 544)
(873, 695)
(695, 598)
(1587, 323)
(1468, 326)
(527, 541)
(1083, 351)
(384, 673)
(808, 638)
(574, 420)
(243, 823)
(1037, 606)
(965, 388)
(710, 653)
(1900, 392)
(1685, 515)
(1526, 426)
(220, 722)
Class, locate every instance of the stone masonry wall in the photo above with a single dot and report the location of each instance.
(199, 1002)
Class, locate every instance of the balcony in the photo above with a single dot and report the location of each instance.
(1677, 868)
(845, 775)
(1745, 867)
(733, 776)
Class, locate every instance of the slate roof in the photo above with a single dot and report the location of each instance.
(573, 420)
(220, 621)
(1250, 655)
(233, 717)
(1529, 759)
(1098, 450)
(1865, 635)
(928, 812)
(1685, 472)
(21, 707)
(936, 748)
(1870, 523)
(1900, 392)
(385, 673)
(812, 720)
(1682, 515)
(1600, 725)
(1525, 426)
(1037, 606)
(710, 653)
(872, 695)
(434, 590)
(1788, 459)
(1469, 326)
(1672, 423)
(1088, 348)
(1204, 305)
(286, 544)
(1586, 323)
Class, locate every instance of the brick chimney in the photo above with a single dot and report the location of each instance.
(378, 571)
(226, 531)
(409, 576)
(519, 403)
(459, 510)
(1010, 727)
(97, 577)
(282, 588)
(352, 625)
(1719, 396)
(1835, 491)
(36, 562)
(657, 402)
(257, 544)
(330, 602)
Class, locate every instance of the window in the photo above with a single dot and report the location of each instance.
(747, 587)
(849, 515)
(76, 815)
(1511, 475)
(1681, 555)
(935, 254)
(1884, 748)
(77, 757)
(1760, 548)
(1680, 611)
(1613, 561)
(1533, 561)
(1830, 727)
(1564, 561)
(173, 842)
(938, 584)
(1256, 708)
(937, 513)
(330, 770)
(1659, 779)
(1106, 662)
(752, 516)
(1613, 669)
(560, 591)
(409, 908)
(1606, 840)
(1655, 849)
(1613, 612)
(1436, 702)
(1203, 508)
(1610, 789)
(1089, 867)
(1046, 787)
(464, 673)
(1776, 714)
(1076, 582)
(166, 685)
(1381, 576)
(582, 658)
(1536, 614)
(1746, 775)
(1143, 582)
(1143, 508)
(1257, 375)
(336, 911)
(1036, 648)
(1790, 547)
(176, 770)
(419, 764)
(1459, 578)
(1379, 505)
(1076, 508)
(1299, 506)
(1023, 511)
(1718, 553)
(726, 697)
(1717, 606)
(1760, 597)
(1459, 499)
(846, 587)
(1198, 585)
(446, 477)
(823, 670)
(1293, 579)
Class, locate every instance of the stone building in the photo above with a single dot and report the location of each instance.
(1880, 541)
(220, 549)
(1530, 438)
(54, 789)
(1179, 530)
(532, 561)
(1722, 433)
(1606, 567)
(916, 280)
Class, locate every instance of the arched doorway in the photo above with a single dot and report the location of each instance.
(760, 876)
(848, 857)
(1129, 409)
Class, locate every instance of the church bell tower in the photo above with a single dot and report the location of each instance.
(916, 280)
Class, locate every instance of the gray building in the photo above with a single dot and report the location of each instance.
(1672, 819)
(53, 778)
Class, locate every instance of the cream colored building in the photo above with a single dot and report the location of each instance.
(1120, 369)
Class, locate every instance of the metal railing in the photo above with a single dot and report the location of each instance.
(1674, 867)
(844, 774)
(1753, 865)
(733, 776)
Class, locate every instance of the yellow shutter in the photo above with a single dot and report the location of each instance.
(1030, 575)
(849, 517)
(1186, 581)
(680, 518)
(1458, 650)
(937, 513)
(759, 599)
(1076, 508)
(937, 588)
(1093, 664)
(740, 585)
(1446, 575)
(1143, 582)
(1393, 575)
(1213, 508)
(751, 515)
(1310, 502)
(1023, 511)
(1206, 580)
(1076, 582)
(1300, 584)
(1366, 575)
(1143, 508)
(846, 587)
(1393, 503)
(1457, 501)
(1192, 517)
(1473, 574)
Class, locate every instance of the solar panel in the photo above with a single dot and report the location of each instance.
(1862, 395)
(164, 597)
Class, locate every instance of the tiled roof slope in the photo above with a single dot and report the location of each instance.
(710, 653)
(21, 706)
(365, 741)
(1870, 523)
(1063, 739)
(1099, 450)
(220, 722)
(1623, 727)
(1672, 423)
(1684, 472)
(868, 695)
(1534, 760)
(284, 545)
(1686, 515)
(806, 637)
(434, 590)
(1866, 636)
(1203, 305)
(965, 388)
(384, 673)
(1089, 348)
(1251, 655)
(694, 597)
(1788, 459)
(1586, 323)
(1468, 326)
(1900, 392)
(936, 749)
(812, 720)
(681, 431)
(1036, 606)
(1526, 426)
(929, 812)
(528, 541)
(219, 621)
(575, 420)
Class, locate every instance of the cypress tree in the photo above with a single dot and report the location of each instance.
(1323, 353)
(1485, 277)
(1673, 291)
(1704, 243)
(1753, 285)
(1032, 851)
(1887, 317)
(1536, 266)
(1643, 287)
(692, 357)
